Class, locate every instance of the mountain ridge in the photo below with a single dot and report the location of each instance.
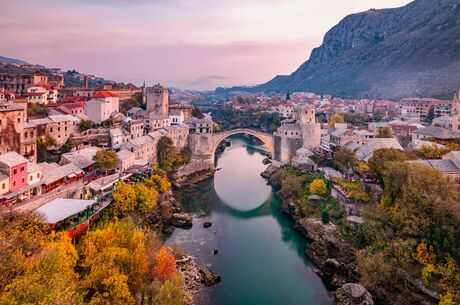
(12, 60)
(391, 53)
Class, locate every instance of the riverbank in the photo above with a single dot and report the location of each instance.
(334, 255)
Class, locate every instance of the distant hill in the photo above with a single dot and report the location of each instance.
(12, 60)
(390, 53)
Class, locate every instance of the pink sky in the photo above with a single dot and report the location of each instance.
(190, 44)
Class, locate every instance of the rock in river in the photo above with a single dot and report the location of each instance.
(208, 277)
(181, 220)
(207, 224)
(353, 294)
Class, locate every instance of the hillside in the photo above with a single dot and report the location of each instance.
(12, 60)
(390, 53)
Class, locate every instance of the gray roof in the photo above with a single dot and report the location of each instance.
(52, 172)
(60, 209)
(7, 106)
(289, 127)
(124, 154)
(12, 158)
(366, 151)
(437, 132)
(83, 157)
(32, 167)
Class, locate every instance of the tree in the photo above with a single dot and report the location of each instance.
(345, 159)
(166, 153)
(384, 132)
(196, 112)
(158, 182)
(165, 265)
(43, 144)
(146, 198)
(336, 118)
(318, 187)
(124, 197)
(288, 96)
(383, 155)
(105, 160)
(432, 151)
(85, 125)
(325, 218)
(172, 292)
(291, 186)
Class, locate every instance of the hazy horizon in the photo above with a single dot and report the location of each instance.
(199, 45)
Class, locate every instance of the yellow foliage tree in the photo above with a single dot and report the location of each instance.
(158, 182)
(115, 263)
(146, 198)
(336, 118)
(318, 187)
(124, 198)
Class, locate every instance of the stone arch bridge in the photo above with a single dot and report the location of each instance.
(266, 138)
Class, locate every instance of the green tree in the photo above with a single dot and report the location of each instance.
(384, 132)
(85, 125)
(166, 153)
(196, 112)
(383, 155)
(105, 160)
(345, 159)
(43, 145)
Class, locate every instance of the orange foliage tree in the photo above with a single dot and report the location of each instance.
(165, 265)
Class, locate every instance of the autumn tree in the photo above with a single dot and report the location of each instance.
(432, 151)
(124, 199)
(384, 132)
(336, 118)
(105, 160)
(165, 265)
(114, 263)
(318, 187)
(146, 198)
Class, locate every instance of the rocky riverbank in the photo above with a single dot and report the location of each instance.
(165, 218)
(195, 276)
(333, 256)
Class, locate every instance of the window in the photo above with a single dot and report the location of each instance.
(22, 168)
(15, 171)
(3, 186)
(14, 183)
(31, 177)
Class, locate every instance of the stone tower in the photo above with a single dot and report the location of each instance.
(456, 112)
(158, 100)
(311, 131)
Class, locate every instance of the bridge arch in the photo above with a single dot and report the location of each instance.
(266, 138)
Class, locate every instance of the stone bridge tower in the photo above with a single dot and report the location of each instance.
(311, 131)
(158, 100)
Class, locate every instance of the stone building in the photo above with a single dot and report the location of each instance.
(15, 133)
(18, 83)
(300, 131)
(130, 129)
(59, 127)
(158, 100)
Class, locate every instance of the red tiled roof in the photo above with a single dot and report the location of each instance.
(35, 93)
(45, 86)
(103, 94)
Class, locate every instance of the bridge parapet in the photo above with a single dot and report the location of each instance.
(266, 138)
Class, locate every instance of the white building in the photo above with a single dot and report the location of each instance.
(101, 106)
(42, 94)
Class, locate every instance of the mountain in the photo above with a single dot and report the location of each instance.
(413, 50)
(12, 60)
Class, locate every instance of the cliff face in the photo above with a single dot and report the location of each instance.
(391, 53)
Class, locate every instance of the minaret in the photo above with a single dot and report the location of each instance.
(456, 112)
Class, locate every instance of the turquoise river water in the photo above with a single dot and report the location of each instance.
(261, 257)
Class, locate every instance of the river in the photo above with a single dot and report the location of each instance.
(261, 257)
